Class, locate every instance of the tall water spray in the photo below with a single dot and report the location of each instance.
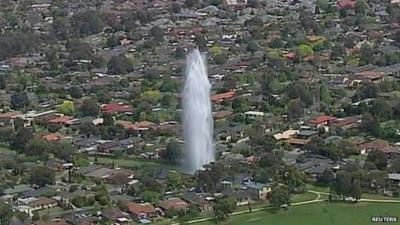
(197, 119)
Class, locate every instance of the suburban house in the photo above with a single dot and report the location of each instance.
(376, 144)
(117, 108)
(204, 203)
(141, 211)
(115, 215)
(218, 98)
(257, 191)
(173, 203)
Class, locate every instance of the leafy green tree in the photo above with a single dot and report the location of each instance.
(280, 195)
(6, 213)
(76, 92)
(223, 207)
(67, 108)
(325, 95)
(21, 139)
(89, 107)
(240, 104)
(378, 158)
(370, 124)
(19, 100)
(295, 109)
(120, 65)
(157, 33)
(361, 7)
(252, 47)
(173, 152)
(366, 54)
(151, 196)
(304, 50)
(79, 50)
(88, 128)
(87, 23)
(42, 176)
(180, 53)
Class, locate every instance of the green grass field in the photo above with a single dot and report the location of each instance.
(318, 213)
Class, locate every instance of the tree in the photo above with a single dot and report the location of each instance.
(378, 158)
(240, 104)
(120, 65)
(151, 196)
(366, 54)
(304, 50)
(38, 148)
(180, 53)
(343, 183)
(295, 109)
(6, 213)
(252, 47)
(67, 108)
(79, 50)
(361, 8)
(370, 124)
(157, 33)
(89, 107)
(21, 138)
(19, 100)
(223, 207)
(88, 128)
(87, 23)
(280, 195)
(338, 51)
(42, 176)
(191, 3)
(326, 177)
(112, 41)
(201, 42)
(76, 92)
(173, 152)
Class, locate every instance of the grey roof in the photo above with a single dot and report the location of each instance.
(39, 192)
(255, 185)
(394, 176)
(17, 189)
(307, 133)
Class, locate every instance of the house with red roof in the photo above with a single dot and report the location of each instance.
(323, 120)
(64, 120)
(117, 108)
(347, 4)
(142, 211)
(139, 126)
(218, 98)
(173, 204)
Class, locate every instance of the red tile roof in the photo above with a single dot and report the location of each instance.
(10, 115)
(222, 114)
(115, 108)
(223, 96)
(322, 119)
(52, 137)
(174, 203)
(62, 120)
(347, 4)
(137, 209)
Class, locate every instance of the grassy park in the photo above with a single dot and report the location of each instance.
(318, 213)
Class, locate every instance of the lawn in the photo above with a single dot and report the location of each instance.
(307, 196)
(317, 213)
